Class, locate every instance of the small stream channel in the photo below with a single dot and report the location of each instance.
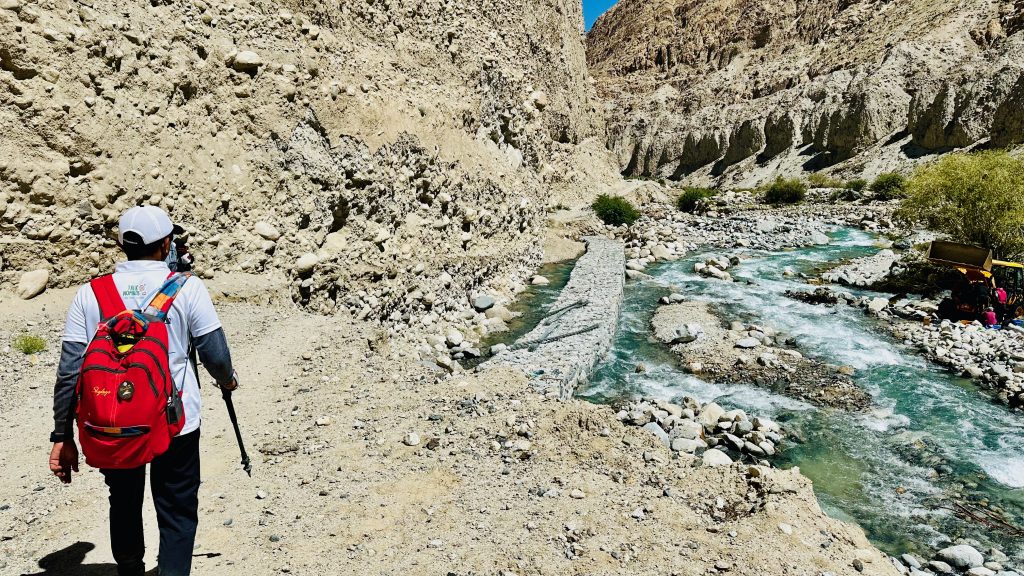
(931, 438)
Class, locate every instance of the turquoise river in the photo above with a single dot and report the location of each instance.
(931, 441)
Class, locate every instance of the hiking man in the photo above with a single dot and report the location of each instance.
(145, 235)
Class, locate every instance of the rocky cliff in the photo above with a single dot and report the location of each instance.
(389, 157)
(738, 91)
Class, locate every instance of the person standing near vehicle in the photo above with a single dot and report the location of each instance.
(145, 235)
(988, 318)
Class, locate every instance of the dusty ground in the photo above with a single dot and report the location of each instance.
(716, 355)
(502, 481)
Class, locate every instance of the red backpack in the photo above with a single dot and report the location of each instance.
(129, 408)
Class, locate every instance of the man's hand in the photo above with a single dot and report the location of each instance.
(231, 385)
(64, 460)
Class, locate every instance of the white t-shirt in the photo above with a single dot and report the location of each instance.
(191, 313)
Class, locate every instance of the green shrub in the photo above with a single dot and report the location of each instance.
(615, 210)
(784, 191)
(821, 180)
(691, 196)
(857, 184)
(29, 343)
(889, 186)
(976, 198)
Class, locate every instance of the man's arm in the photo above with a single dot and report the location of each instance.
(216, 357)
(208, 336)
(71, 356)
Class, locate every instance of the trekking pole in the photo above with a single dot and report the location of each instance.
(246, 464)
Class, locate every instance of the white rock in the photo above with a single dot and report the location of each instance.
(818, 238)
(454, 337)
(961, 556)
(686, 333)
(710, 414)
(246, 61)
(688, 445)
(33, 283)
(877, 305)
(748, 343)
(716, 458)
(306, 263)
(411, 439)
(539, 280)
(267, 231)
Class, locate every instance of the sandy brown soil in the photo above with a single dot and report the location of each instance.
(502, 481)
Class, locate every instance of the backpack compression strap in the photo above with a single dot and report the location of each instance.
(161, 303)
(106, 295)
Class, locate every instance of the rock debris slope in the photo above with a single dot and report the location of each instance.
(736, 91)
(356, 149)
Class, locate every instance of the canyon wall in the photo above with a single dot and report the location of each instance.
(739, 91)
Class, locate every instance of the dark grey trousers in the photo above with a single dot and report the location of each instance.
(174, 482)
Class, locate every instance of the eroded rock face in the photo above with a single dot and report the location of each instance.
(740, 91)
(417, 233)
(1008, 119)
(357, 148)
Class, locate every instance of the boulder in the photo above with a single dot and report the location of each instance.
(686, 334)
(483, 302)
(688, 445)
(710, 414)
(247, 61)
(454, 338)
(33, 283)
(715, 458)
(306, 263)
(658, 431)
(661, 253)
(748, 343)
(688, 429)
(876, 305)
(500, 312)
(818, 238)
(267, 231)
(961, 556)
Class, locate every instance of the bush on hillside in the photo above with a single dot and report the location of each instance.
(976, 198)
(784, 191)
(822, 180)
(889, 186)
(857, 184)
(615, 210)
(690, 197)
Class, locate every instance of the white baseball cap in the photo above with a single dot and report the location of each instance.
(148, 222)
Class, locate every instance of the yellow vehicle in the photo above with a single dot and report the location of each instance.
(981, 276)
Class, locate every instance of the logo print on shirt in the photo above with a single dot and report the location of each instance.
(134, 291)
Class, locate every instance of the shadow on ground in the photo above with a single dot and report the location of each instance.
(70, 562)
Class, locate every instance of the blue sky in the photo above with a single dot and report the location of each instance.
(594, 8)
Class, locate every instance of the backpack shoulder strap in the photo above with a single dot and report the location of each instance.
(106, 295)
(161, 303)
